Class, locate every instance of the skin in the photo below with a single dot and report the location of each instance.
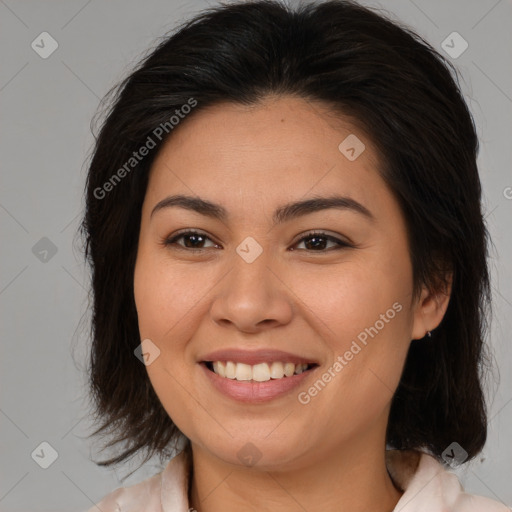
(330, 453)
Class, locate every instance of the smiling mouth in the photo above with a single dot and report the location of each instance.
(261, 372)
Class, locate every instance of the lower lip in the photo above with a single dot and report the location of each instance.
(255, 392)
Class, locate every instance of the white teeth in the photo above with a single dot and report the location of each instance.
(300, 368)
(261, 372)
(276, 370)
(219, 368)
(230, 370)
(243, 371)
(289, 369)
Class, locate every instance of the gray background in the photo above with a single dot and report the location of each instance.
(46, 108)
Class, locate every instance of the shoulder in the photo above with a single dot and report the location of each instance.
(428, 486)
(142, 496)
(166, 490)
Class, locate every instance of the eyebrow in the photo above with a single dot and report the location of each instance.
(282, 214)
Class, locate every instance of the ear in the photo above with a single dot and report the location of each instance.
(430, 309)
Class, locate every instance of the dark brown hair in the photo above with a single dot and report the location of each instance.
(406, 97)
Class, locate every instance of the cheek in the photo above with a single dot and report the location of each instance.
(167, 300)
(345, 299)
(361, 313)
(165, 295)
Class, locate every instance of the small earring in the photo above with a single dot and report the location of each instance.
(429, 334)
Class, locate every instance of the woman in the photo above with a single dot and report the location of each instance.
(289, 267)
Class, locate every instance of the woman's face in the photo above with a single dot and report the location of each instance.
(260, 291)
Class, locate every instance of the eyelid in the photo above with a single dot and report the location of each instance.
(341, 241)
(170, 240)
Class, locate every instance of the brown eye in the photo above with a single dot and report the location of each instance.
(317, 242)
(193, 240)
(314, 241)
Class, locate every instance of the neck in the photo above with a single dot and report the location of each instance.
(351, 478)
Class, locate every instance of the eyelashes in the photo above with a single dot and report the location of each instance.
(183, 234)
(314, 238)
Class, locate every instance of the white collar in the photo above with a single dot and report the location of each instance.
(427, 487)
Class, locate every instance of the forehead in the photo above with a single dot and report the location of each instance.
(284, 148)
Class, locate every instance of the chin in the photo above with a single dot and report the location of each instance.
(263, 454)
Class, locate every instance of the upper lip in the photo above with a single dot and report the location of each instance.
(253, 357)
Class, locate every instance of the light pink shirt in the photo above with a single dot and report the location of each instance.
(429, 487)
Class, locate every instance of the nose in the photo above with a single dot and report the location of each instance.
(252, 297)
